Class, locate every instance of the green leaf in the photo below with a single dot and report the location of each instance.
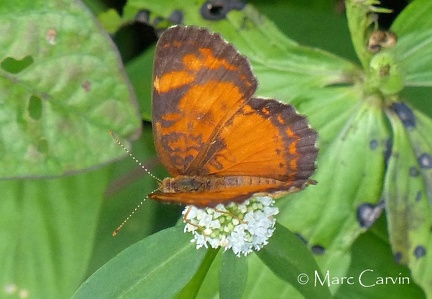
(111, 20)
(415, 17)
(288, 257)
(374, 272)
(232, 276)
(414, 55)
(156, 267)
(408, 191)
(414, 47)
(47, 230)
(62, 88)
(302, 23)
(263, 283)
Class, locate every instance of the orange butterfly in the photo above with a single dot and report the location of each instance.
(219, 143)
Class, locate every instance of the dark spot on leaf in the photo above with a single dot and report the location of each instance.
(419, 251)
(301, 237)
(414, 171)
(388, 151)
(160, 23)
(143, 16)
(318, 250)
(35, 107)
(176, 17)
(51, 36)
(86, 85)
(14, 66)
(405, 114)
(418, 196)
(368, 213)
(425, 160)
(398, 257)
(218, 9)
(281, 165)
(373, 144)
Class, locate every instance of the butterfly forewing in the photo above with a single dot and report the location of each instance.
(199, 81)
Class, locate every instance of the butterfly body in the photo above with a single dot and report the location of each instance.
(209, 191)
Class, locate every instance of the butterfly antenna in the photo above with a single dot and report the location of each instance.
(133, 157)
(127, 218)
(115, 232)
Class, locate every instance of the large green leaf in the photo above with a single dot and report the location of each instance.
(47, 229)
(408, 191)
(156, 267)
(62, 88)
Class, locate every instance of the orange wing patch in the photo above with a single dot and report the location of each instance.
(206, 59)
(172, 80)
(218, 142)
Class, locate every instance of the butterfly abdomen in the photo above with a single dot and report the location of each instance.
(182, 184)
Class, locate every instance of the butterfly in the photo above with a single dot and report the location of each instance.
(219, 143)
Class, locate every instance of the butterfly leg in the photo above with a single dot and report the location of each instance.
(186, 220)
(231, 215)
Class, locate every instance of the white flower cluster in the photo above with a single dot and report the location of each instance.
(240, 227)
